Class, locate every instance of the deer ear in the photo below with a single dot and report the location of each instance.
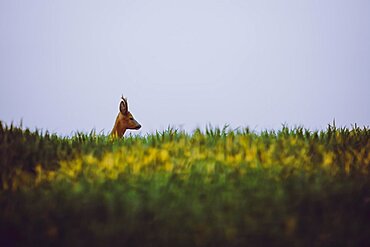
(123, 107)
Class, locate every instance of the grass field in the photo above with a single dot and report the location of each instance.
(291, 187)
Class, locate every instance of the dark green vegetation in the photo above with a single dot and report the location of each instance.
(292, 187)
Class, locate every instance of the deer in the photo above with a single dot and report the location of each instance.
(125, 120)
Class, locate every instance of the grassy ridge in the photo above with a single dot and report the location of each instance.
(213, 188)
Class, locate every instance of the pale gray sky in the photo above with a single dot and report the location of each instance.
(184, 63)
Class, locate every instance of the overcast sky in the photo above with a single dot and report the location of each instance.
(184, 63)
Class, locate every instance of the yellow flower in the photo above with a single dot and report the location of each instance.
(164, 155)
(328, 159)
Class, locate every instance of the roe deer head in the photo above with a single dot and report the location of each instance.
(124, 120)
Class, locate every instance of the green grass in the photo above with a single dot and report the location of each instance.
(291, 187)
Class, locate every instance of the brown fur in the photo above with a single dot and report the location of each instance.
(125, 120)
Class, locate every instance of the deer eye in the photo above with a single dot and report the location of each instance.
(131, 118)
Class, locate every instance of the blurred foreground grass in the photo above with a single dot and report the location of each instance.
(292, 187)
